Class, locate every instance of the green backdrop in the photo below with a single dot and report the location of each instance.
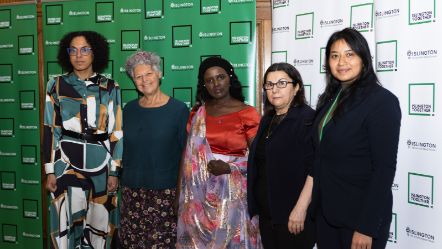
(20, 193)
(182, 33)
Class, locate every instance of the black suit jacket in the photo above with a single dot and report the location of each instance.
(355, 162)
(289, 158)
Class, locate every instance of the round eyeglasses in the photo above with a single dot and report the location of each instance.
(83, 51)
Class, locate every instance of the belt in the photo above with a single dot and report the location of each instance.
(85, 136)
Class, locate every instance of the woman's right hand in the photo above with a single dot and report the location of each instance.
(51, 183)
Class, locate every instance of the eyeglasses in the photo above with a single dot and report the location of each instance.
(279, 84)
(219, 77)
(83, 51)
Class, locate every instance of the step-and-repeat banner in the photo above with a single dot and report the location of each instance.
(405, 40)
(20, 190)
(181, 32)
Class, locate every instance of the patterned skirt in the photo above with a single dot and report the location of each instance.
(147, 218)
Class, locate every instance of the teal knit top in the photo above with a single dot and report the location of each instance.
(154, 139)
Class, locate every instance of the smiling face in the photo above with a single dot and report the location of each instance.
(281, 98)
(146, 79)
(345, 64)
(81, 62)
(217, 82)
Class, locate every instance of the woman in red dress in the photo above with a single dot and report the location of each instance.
(213, 201)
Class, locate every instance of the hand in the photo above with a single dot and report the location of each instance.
(218, 167)
(361, 241)
(51, 183)
(112, 184)
(296, 220)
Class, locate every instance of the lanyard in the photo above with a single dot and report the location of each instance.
(327, 117)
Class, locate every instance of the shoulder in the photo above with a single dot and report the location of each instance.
(131, 104)
(381, 95)
(178, 104)
(249, 111)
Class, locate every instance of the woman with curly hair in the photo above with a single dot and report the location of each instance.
(213, 201)
(83, 144)
(150, 173)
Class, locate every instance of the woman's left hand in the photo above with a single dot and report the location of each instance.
(218, 167)
(112, 184)
(361, 241)
(296, 220)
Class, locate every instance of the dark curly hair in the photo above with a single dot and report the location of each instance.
(367, 77)
(99, 45)
(295, 76)
(235, 90)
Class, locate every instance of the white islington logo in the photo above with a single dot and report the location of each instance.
(210, 34)
(181, 67)
(31, 235)
(155, 38)
(27, 127)
(79, 13)
(7, 153)
(30, 182)
(7, 100)
(6, 46)
(181, 5)
(25, 17)
(130, 11)
(3, 206)
(5, 78)
(52, 43)
(26, 72)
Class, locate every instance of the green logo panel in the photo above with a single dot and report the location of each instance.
(29, 154)
(54, 14)
(181, 36)
(153, 8)
(30, 208)
(25, 44)
(27, 100)
(6, 127)
(8, 181)
(210, 7)
(104, 12)
(6, 73)
(240, 32)
(9, 233)
(5, 18)
(130, 40)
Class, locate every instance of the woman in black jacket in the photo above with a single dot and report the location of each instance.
(280, 159)
(356, 135)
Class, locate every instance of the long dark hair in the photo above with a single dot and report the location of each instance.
(235, 89)
(366, 78)
(99, 45)
(295, 76)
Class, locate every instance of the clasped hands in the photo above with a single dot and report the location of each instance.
(218, 167)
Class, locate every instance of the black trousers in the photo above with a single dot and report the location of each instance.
(331, 237)
(277, 236)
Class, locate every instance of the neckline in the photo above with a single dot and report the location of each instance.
(151, 108)
(228, 114)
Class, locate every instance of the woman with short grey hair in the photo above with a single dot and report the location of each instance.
(156, 133)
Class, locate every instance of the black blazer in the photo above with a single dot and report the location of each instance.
(355, 162)
(289, 158)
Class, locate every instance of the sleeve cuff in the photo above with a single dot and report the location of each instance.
(49, 168)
